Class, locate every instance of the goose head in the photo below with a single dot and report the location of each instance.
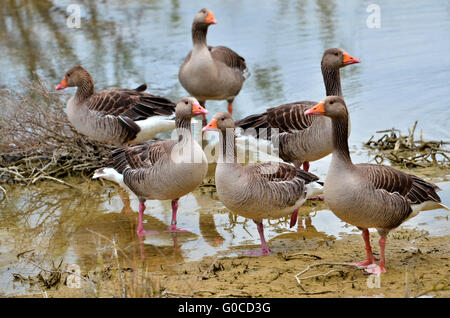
(75, 77)
(205, 17)
(331, 106)
(337, 58)
(189, 107)
(220, 121)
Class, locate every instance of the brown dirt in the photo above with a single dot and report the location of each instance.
(417, 265)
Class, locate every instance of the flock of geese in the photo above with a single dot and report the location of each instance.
(364, 195)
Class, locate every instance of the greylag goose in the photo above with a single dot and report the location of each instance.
(161, 170)
(302, 138)
(211, 72)
(257, 191)
(117, 116)
(368, 195)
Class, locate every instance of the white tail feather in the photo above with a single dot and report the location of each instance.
(426, 206)
(258, 150)
(313, 189)
(110, 174)
(152, 126)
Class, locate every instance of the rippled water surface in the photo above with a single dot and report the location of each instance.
(404, 76)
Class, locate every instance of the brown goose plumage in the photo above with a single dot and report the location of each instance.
(302, 138)
(256, 191)
(367, 195)
(162, 170)
(117, 116)
(211, 72)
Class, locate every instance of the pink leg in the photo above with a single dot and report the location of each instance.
(306, 166)
(381, 267)
(294, 217)
(264, 248)
(173, 225)
(370, 259)
(230, 108)
(140, 228)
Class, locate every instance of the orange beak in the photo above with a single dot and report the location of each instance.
(348, 59)
(62, 85)
(197, 109)
(211, 126)
(318, 109)
(210, 19)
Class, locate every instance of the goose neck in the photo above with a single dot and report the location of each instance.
(340, 140)
(183, 127)
(199, 32)
(228, 150)
(332, 80)
(85, 89)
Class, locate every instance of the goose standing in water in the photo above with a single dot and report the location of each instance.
(161, 170)
(368, 195)
(257, 191)
(117, 116)
(211, 72)
(303, 138)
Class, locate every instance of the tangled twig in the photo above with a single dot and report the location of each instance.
(408, 152)
(36, 140)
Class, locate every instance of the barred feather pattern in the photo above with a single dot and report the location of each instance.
(411, 187)
(230, 59)
(136, 105)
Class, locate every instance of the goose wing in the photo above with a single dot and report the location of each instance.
(229, 58)
(283, 183)
(140, 156)
(411, 187)
(287, 118)
(131, 103)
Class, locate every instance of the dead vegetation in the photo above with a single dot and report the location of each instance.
(37, 141)
(408, 152)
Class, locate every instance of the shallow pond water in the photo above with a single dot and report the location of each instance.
(403, 77)
(56, 222)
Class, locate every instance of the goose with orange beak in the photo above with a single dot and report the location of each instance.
(161, 170)
(257, 191)
(117, 116)
(211, 72)
(368, 195)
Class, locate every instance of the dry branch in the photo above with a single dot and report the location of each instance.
(37, 141)
(408, 152)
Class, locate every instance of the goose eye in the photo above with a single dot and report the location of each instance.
(68, 75)
(186, 102)
(336, 54)
(331, 102)
(203, 11)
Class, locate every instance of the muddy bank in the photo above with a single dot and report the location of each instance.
(418, 265)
